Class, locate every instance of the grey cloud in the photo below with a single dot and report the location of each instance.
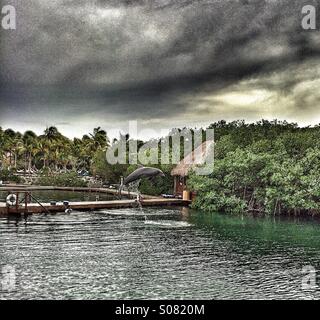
(142, 59)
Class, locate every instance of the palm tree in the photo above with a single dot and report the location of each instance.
(52, 145)
(52, 134)
(44, 148)
(30, 142)
(8, 143)
(52, 149)
(99, 139)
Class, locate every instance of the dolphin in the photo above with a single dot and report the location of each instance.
(142, 172)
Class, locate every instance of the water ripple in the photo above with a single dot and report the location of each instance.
(157, 253)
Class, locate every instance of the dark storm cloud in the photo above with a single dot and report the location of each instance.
(143, 59)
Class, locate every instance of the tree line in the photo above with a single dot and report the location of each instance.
(50, 151)
(268, 167)
(265, 167)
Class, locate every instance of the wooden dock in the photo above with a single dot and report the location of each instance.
(33, 208)
(21, 188)
(24, 192)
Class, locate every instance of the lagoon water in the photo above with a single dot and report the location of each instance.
(158, 253)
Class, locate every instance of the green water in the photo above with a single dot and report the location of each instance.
(158, 253)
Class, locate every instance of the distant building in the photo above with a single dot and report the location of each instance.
(193, 159)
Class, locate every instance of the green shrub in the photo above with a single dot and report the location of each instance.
(256, 180)
(8, 176)
(62, 180)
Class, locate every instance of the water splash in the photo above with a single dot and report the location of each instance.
(134, 186)
(169, 223)
(139, 202)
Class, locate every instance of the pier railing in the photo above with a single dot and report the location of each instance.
(22, 199)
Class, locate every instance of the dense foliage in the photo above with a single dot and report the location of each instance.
(70, 179)
(57, 159)
(271, 167)
(268, 166)
(7, 175)
(112, 173)
(50, 152)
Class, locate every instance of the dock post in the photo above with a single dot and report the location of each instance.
(26, 203)
(17, 202)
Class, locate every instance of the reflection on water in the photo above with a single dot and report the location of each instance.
(173, 254)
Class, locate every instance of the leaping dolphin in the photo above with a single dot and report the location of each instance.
(142, 172)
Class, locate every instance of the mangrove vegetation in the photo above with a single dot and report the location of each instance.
(266, 167)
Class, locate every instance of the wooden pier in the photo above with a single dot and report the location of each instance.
(21, 188)
(89, 206)
(25, 206)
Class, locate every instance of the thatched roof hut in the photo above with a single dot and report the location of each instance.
(196, 157)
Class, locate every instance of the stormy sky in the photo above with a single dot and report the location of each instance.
(78, 64)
